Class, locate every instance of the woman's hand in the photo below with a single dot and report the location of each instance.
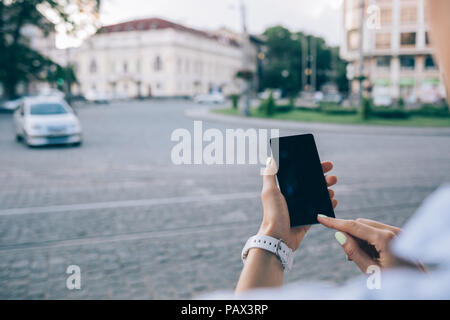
(276, 216)
(262, 268)
(366, 242)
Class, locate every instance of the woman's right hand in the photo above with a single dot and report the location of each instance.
(377, 235)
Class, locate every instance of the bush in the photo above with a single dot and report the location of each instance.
(284, 108)
(401, 103)
(268, 106)
(366, 108)
(429, 110)
(390, 113)
(325, 105)
(235, 100)
(338, 110)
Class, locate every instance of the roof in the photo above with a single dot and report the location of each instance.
(41, 99)
(160, 24)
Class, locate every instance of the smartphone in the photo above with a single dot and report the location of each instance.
(301, 178)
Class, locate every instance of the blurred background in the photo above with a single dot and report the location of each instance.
(90, 92)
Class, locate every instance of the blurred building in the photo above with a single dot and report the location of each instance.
(398, 60)
(156, 57)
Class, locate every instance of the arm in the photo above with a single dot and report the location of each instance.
(439, 11)
(262, 268)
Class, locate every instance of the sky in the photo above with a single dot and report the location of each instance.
(319, 17)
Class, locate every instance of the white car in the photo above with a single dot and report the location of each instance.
(11, 105)
(51, 92)
(97, 97)
(46, 120)
(216, 97)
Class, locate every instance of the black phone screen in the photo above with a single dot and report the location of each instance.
(301, 179)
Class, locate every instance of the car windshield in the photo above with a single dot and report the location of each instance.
(47, 109)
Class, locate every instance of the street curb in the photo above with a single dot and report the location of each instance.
(205, 114)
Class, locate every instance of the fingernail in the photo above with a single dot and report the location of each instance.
(268, 162)
(340, 237)
(322, 216)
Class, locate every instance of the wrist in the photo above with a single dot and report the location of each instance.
(271, 230)
(264, 257)
(276, 247)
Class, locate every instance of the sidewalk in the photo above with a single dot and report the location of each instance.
(206, 114)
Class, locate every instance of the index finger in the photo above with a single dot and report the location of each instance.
(379, 225)
(327, 166)
(356, 229)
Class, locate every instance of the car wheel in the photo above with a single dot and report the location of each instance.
(77, 144)
(19, 138)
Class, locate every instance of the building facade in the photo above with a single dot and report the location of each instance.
(398, 56)
(156, 57)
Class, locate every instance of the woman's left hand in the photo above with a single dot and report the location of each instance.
(276, 215)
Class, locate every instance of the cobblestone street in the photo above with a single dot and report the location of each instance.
(141, 227)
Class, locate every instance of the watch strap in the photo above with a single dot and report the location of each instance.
(273, 245)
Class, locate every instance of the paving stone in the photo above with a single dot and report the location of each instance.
(177, 249)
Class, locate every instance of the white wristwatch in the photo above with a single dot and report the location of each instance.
(273, 245)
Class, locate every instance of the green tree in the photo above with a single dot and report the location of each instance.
(268, 106)
(282, 62)
(282, 67)
(19, 61)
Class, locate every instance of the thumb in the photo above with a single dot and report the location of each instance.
(269, 180)
(353, 251)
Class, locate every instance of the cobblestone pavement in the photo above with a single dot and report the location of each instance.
(140, 227)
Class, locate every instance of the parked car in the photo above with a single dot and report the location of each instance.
(215, 97)
(10, 105)
(97, 97)
(51, 92)
(276, 94)
(46, 120)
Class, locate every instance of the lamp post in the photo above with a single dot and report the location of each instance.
(361, 53)
(245, 59)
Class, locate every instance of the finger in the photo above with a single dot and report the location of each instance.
(331, 193)
(269, 180)
(327, 166)
(334, 202)
(379, 225)
(353, 251)
(331, 180)
(356, 229)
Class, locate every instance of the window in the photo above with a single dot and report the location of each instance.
(93, 66)
(125, 67)
(179, 65)
(47, 108)
(383, 41)
(427, 38)
(187, 66)
(407, 62)
(157, 64)
(429, 63)
(408, 39)
(385, 16)
(138, 66)
(384, 62)
(408, 15)
(353, 39)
